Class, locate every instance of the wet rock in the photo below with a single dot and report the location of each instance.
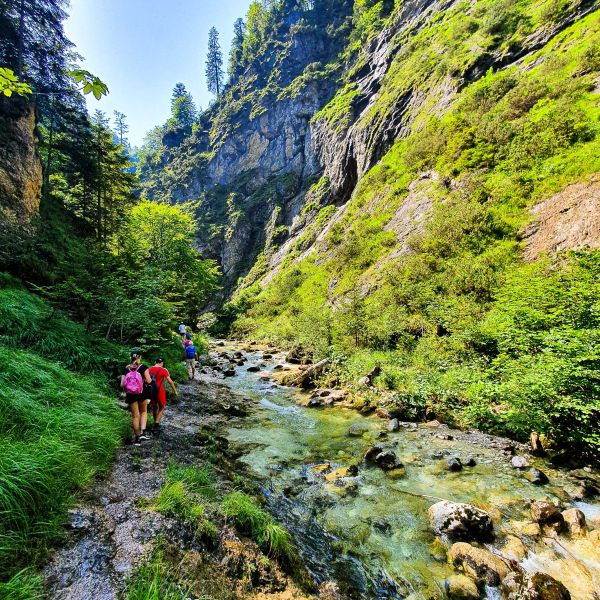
(433, 424)
(382, 526)
(461, 587)
(357, 429)
(438, 550)
(514, 548)
(454, 464)
(439, 454)
(267, 356)
(238, 354)
(371, 453)
(460, 521)
(479, 564)
(278, 367)
(526, 528)
(575, 522)
(536, 477)
(253, 369)
(533, 586)
(470, 462)
(229, 373)
(547, 513)
(519, 462)
(444, 436)
(393, 425)
(383, 413)
(388, 461)
(240, 363)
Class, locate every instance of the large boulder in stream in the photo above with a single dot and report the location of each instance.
(533, 586)
(478, 563)
(460, 521)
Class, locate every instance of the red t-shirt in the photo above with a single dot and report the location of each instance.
(160, 374)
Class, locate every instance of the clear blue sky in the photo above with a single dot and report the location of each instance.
(141, 48)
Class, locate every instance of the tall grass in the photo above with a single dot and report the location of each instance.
(153, 581)
(58, 429)
(27, 322)
(256, 522)
(25, 585)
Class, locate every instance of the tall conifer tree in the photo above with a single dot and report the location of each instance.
(214, 63)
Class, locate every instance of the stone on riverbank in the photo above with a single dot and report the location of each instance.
(544, 513)
(460, 521)
(454, 464)
(519, 462)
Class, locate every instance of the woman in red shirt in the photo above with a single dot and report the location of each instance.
(159, 397)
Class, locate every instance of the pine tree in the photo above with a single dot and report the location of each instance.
(214, 63)
(121, 128)
(178, 91)
(184, 111)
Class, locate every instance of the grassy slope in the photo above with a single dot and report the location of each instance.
(463, 329)
(59, 427)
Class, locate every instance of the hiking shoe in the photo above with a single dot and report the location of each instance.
(145, 436)
(137, 441)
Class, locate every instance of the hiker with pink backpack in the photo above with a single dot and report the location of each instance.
(136, 382)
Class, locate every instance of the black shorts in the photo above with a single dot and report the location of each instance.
(145, 395)
(133, 398)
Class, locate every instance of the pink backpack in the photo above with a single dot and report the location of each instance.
(132, 382)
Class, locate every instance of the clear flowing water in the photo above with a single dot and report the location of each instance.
(370, 531)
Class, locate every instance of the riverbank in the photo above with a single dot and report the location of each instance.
(156, 524)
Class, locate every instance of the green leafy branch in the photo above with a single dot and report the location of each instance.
(90, 83)
(9, 84)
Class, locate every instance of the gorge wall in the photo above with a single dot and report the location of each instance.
(301, 128)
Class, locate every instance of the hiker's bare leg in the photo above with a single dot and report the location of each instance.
(143, 414)
(135, 418)
(158, 413)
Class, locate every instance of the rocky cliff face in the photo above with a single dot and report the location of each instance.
(20, 167)
(275, 151)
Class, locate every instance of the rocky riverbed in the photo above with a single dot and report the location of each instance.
(397, 509)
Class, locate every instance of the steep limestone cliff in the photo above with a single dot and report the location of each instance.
(315, 113)
(20, 167)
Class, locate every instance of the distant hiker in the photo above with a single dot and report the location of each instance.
(187, 343)
(191, 355)
(159, 395)
(136, 382)
(182, 330)
(188, 335)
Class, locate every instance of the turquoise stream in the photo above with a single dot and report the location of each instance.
(375, 539)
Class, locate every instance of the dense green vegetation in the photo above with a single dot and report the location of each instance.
(60, 426)
(462, 328)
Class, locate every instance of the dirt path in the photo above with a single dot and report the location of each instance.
(110, 533)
